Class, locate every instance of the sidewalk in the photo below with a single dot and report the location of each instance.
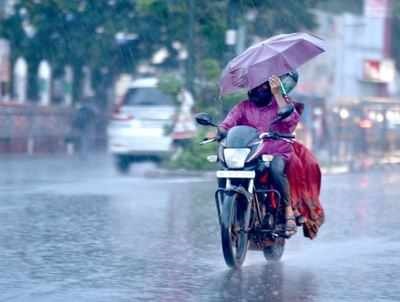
(369, 164)
(152, 170)
(364, 164)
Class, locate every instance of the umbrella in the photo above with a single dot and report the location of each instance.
(274, 56)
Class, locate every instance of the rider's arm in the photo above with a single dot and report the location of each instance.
(288, 124)
(233, 118)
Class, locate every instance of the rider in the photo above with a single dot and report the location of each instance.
(264, 105)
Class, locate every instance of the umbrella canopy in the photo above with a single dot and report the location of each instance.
(274, 56)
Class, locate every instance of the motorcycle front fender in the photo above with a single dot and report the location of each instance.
(224, 196)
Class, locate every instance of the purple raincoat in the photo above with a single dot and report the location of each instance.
(246, 113)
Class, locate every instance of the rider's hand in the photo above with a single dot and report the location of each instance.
(221, 134)
(275, 84)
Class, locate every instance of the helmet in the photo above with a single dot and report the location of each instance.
(289, 81)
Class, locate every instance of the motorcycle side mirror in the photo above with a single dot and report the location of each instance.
(204, 119)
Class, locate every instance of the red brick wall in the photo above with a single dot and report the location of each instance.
(47, 126)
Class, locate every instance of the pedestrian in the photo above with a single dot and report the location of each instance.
(184, 129)
(84, 126)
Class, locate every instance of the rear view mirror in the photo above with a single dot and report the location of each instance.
(204, 119)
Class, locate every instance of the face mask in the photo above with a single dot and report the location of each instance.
(261, 95)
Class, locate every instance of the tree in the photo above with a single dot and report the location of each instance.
(113, 36)
(70, 32)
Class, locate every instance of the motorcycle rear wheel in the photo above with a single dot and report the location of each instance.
(234, 239)
(122, 164)
(275, 251)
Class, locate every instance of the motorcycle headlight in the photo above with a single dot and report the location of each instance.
(236, 158)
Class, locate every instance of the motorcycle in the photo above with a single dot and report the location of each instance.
(249, 208)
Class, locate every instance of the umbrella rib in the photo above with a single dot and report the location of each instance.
(276, 55)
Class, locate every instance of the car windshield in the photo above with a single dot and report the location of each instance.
(147, 97)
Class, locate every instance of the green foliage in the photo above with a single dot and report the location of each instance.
(211, 69)
(341, 6)
(232, 99)
(194, 156)
(207, 86)
(84, 32)
(170, 84)
(145, 5)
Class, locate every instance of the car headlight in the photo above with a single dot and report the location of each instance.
(236, 158)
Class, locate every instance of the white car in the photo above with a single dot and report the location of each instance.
(139, 128)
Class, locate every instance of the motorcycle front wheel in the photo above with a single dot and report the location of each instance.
(234, 237)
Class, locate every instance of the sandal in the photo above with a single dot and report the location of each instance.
(291, 226)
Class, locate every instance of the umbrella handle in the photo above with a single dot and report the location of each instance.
(283, 90)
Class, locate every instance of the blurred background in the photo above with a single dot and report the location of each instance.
(90, 90)
(126, 76)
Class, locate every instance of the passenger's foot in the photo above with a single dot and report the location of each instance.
(291, 226)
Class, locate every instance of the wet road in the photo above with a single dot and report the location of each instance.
(76, 231)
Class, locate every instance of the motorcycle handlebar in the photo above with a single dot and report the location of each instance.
(265, 135)
(276, 135)
(208, 140)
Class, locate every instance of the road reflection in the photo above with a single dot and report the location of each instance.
(90, 235)
(268, 282)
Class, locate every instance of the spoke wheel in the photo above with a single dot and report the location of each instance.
(233, 236)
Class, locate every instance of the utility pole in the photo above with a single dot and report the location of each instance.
(190, 62)
(231, 33)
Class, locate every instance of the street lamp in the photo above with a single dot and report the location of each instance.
(344, 114)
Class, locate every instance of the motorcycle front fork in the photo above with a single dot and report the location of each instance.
(224, 187)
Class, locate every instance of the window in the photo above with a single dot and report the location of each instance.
(147, 97)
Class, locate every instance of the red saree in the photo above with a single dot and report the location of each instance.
(304, 176)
